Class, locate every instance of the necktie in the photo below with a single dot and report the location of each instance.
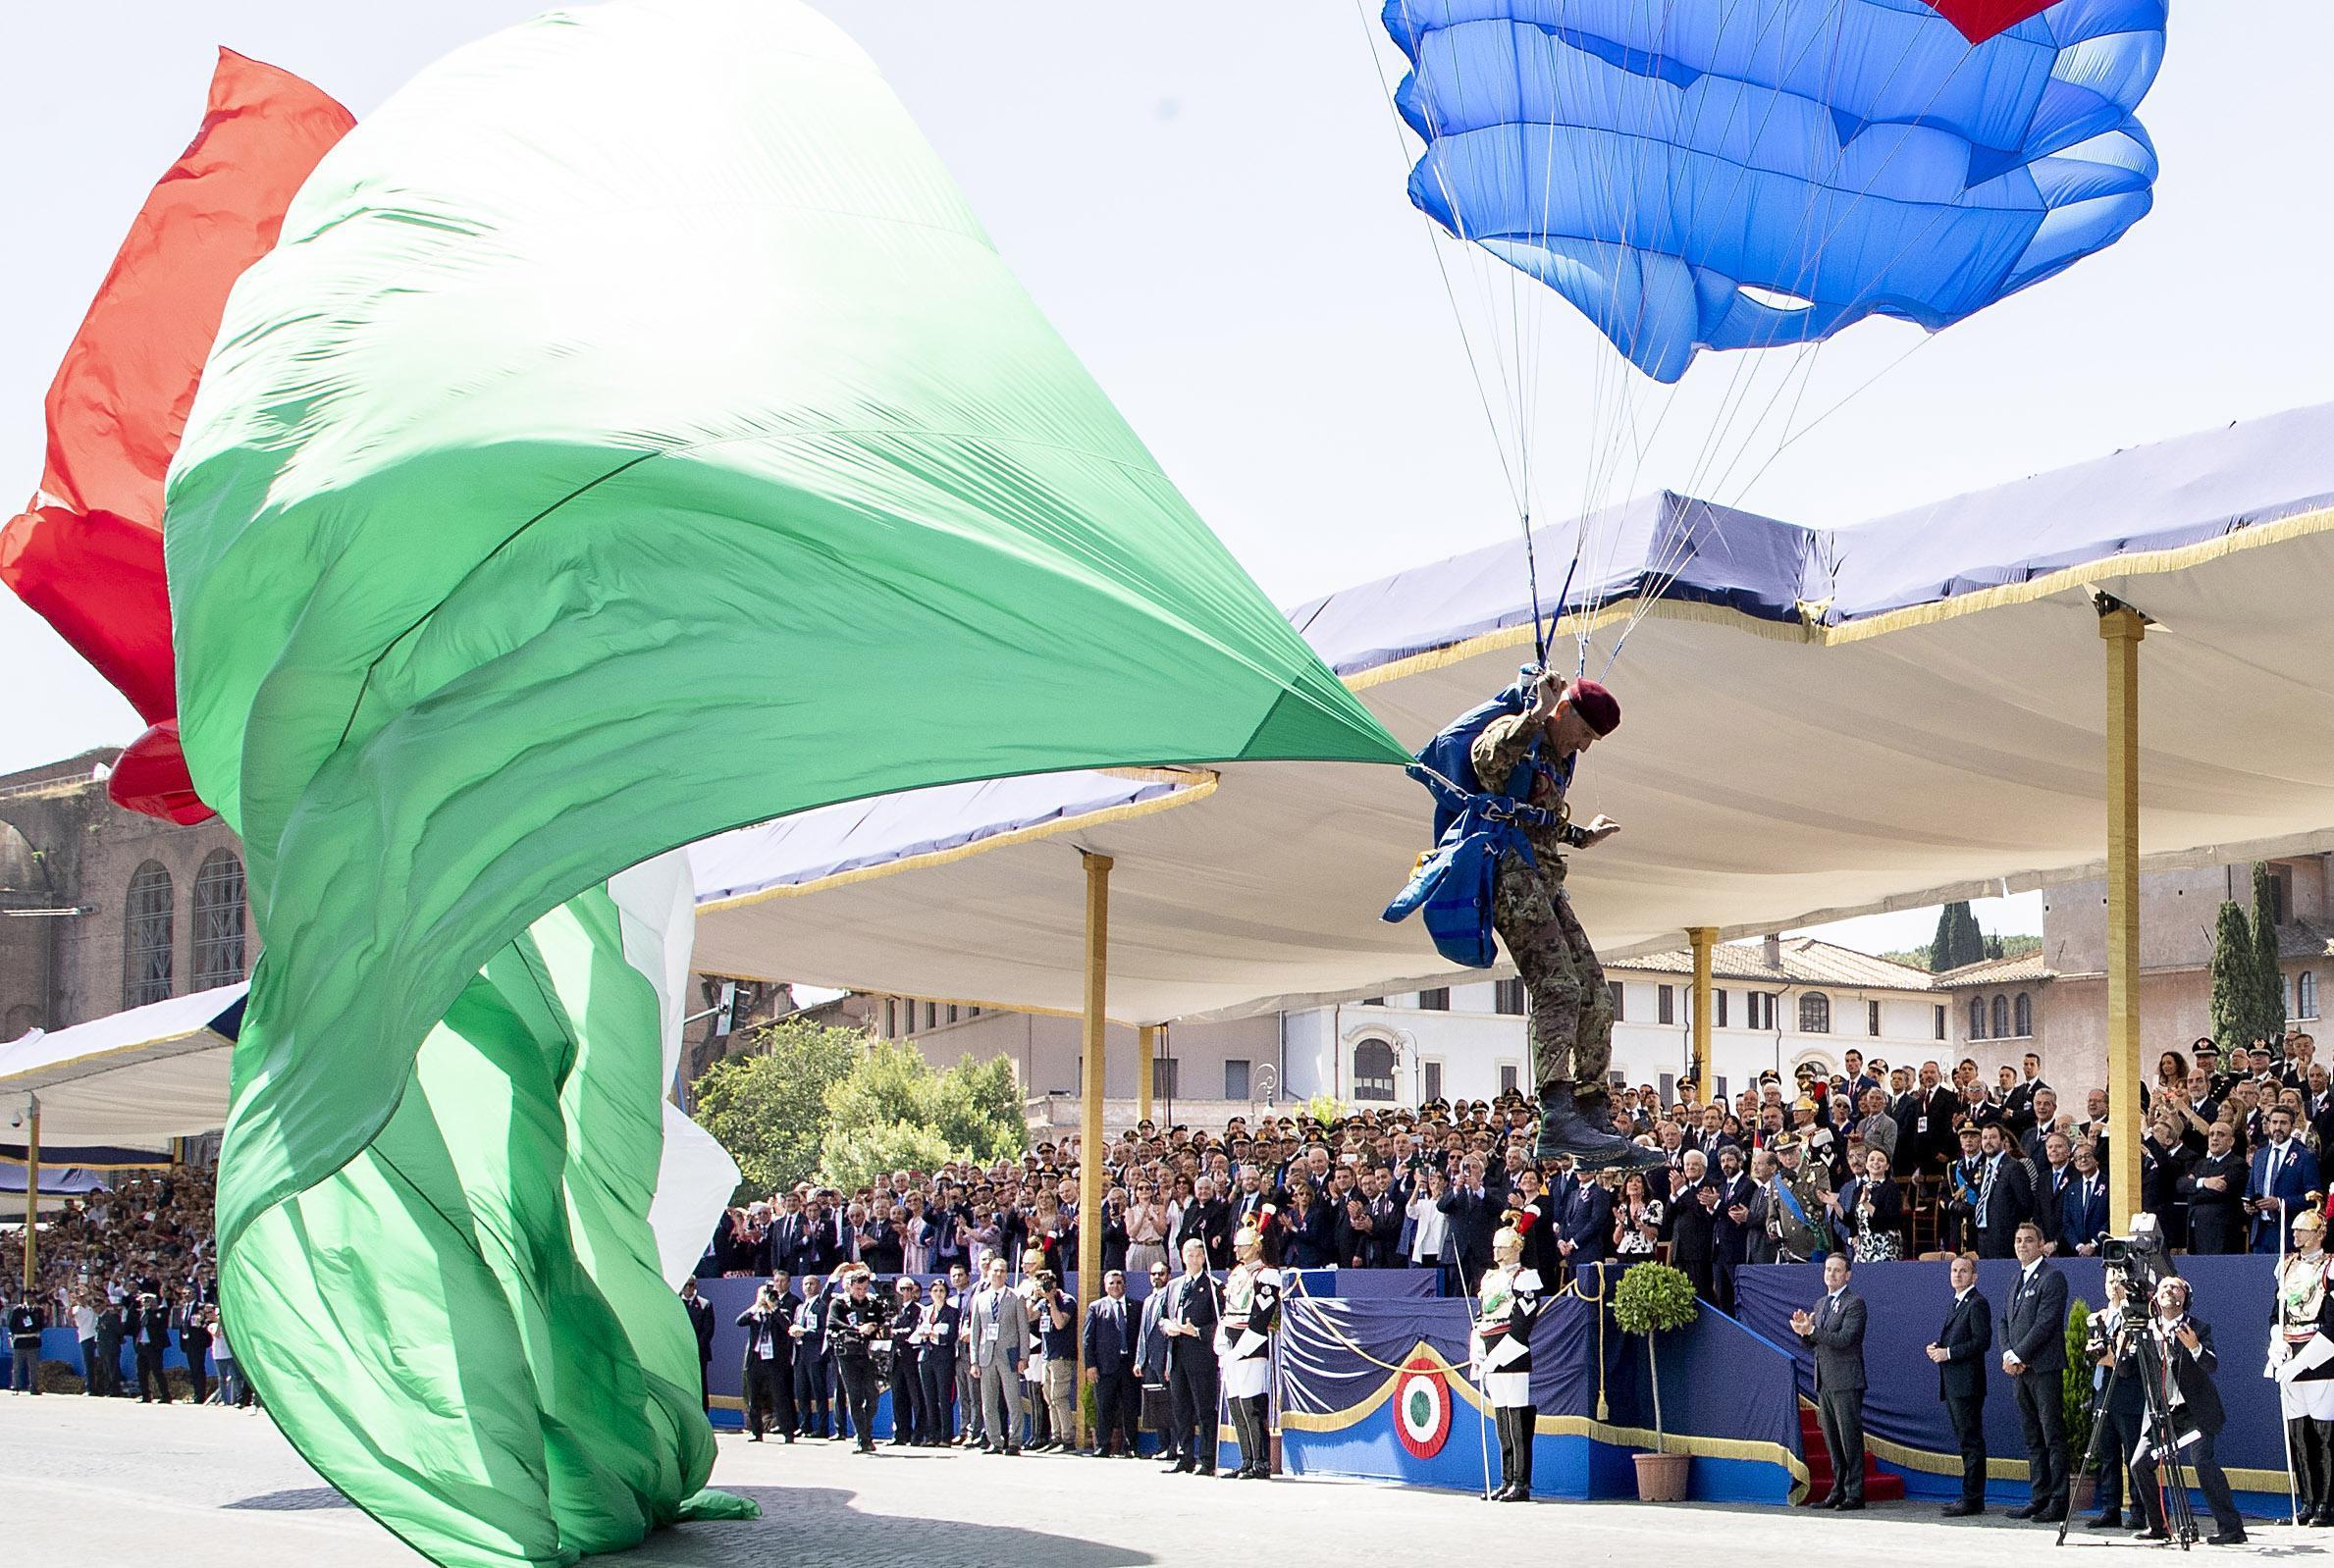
(2276, 1157)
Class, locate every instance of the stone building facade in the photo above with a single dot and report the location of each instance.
(102, 909)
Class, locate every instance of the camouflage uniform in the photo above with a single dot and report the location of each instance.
(1571, 1009)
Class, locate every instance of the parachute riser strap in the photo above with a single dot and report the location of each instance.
(1493, 807)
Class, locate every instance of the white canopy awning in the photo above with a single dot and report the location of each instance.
(151, 1073)
(1823, 725)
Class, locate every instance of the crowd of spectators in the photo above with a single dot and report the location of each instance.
(127, 1268)
(1889, 1161)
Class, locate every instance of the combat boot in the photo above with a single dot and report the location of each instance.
(1563, 1130)
(1596, 1109)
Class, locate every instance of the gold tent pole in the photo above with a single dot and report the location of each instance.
(32, 1197)
(1702, 937)
(1090, 1126)
(2122, 627)
(1147, 1051)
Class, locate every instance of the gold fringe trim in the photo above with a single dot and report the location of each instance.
(1195, 785)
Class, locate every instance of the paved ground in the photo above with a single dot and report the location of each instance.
(87, 1480)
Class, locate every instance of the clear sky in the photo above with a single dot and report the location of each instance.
(1209, 206)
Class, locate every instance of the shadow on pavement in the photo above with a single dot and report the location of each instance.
(818, 1524)
(297, 1500)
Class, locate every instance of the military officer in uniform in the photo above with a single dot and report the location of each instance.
(1506, 1304)
(2302, 1358)
(1244, 1351)
(1531, 755)
(1795, 1205)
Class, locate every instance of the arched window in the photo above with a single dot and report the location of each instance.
(146, 937)
(217, 921)
(1373, 1069)
(2306, 993)
(2024, 1016)
(2001, 1018)
(1977, 1017)
(1815, 1014)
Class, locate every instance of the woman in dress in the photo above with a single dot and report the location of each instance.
(1868, 1214)
(1636, 1218)
(1146, 1229)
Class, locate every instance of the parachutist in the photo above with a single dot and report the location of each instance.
(1529, 757)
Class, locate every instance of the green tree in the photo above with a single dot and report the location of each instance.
(853, 1158)
(2269, 974)
(977, 1106)
(972, 1111)
(767, 1107)
(1959, 940)
(1942, 947)
(2074, 1388)
(2234, 988)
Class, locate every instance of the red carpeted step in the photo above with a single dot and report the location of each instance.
(1879, 1487)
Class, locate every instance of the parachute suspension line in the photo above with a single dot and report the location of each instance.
(1810, 355)
(1434, 248)
(1531, 570)
(1680, 549)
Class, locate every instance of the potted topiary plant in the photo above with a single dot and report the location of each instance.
(1652, 1299)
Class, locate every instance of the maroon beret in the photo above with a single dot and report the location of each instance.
(1592, 701)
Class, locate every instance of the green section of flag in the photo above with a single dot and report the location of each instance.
(632, 437)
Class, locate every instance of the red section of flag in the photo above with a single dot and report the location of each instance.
(1980, 20)
(151, 777)
(88, 555)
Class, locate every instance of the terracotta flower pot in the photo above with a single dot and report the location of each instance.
(1660, 1477)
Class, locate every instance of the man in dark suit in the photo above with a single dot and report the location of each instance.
(1194, 1307)
(26, 1320)
(1835, 1327)
(1109, 1347)
(1151, 1352)
(2083, 1207)
(1934, 1122)
(2214, 1187)
(1472, 1222)
(2004, 1198)
(153, 1338)
(1207, 1218)
(1585, 1234)
(2035, 1354)
(1960, 1351)
(1692, 1224)
(2282, 1184)
(701, 1323)
(2184, 1345)
(1729, 1225)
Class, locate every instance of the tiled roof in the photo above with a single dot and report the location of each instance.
(1804, 961)
(2022, 970)
(2301, 939)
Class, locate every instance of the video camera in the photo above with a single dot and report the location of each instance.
(2141, 1257)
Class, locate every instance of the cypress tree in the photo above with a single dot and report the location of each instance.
(1958, 939)
(2234, 988)
(2267, 974)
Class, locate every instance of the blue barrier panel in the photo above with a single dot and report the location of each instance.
(1378, 1389)
(1904, 1418)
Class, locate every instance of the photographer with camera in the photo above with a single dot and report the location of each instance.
(2181, 1346)
(2116, 1378)
(855, 1321)
(769, 1360)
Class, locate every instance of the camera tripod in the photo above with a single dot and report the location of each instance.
(2135, 1342)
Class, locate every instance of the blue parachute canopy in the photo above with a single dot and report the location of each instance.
(1733, 174)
